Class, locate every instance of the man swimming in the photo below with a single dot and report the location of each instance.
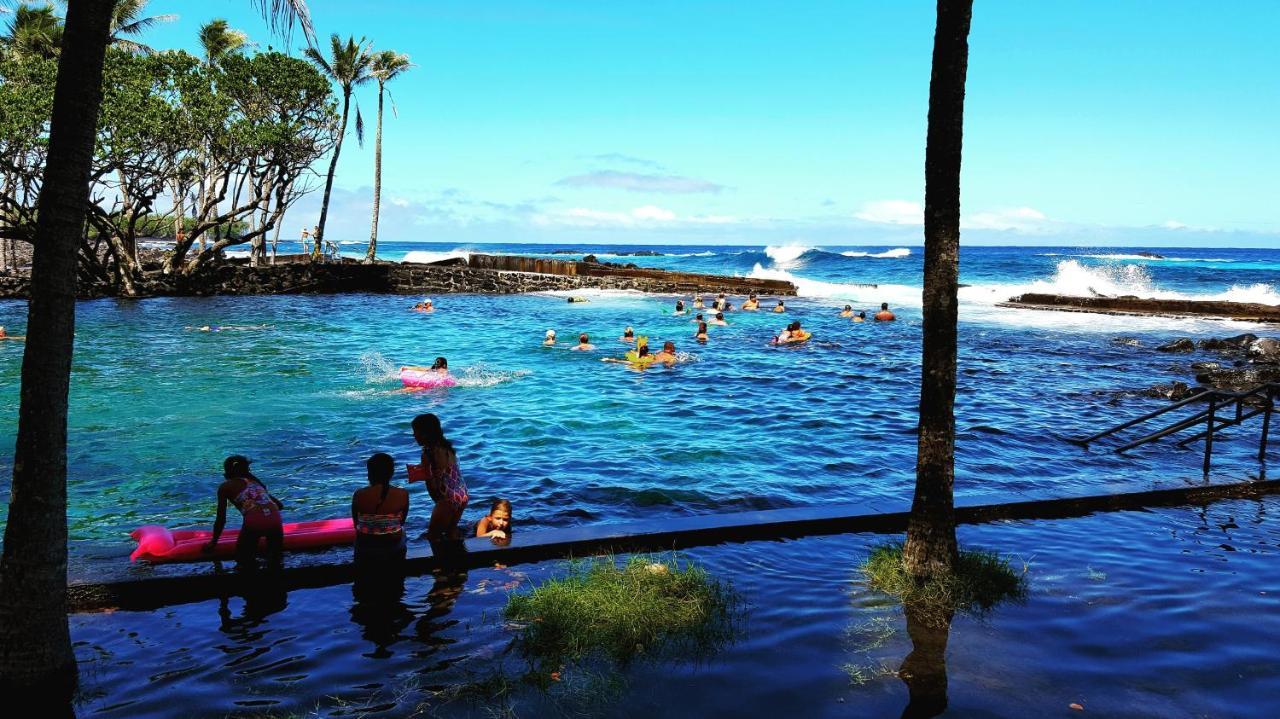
(884, 315)
(584, 343)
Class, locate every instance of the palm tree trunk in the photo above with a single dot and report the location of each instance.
(36, 659)
(333, 167)
(930, 548)
(372, 252)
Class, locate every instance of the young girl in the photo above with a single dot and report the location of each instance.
(378, 512)
(261, 514)
(439, 469)
(496, 524)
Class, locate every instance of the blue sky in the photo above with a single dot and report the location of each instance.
(1121, 122)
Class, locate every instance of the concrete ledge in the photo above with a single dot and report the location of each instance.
(1148, 307)
(147, 593)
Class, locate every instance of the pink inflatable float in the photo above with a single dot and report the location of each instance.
(425, 378)
(159, 545)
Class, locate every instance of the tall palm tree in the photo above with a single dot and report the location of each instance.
(128, 21)
(33, 30)
(386, 65)
(219, 40)
(349, 65)
(930, 549)
(36, 659)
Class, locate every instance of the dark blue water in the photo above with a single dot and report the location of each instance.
(306, 385)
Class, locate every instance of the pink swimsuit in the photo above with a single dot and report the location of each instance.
(260, 513)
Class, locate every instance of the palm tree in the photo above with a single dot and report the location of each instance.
(219, 40)
(127, 19)
(34, 30)
(36, 658)
(348, 65)
(930, 549)
(386, 66)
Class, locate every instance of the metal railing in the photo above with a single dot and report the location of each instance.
(1215, 416)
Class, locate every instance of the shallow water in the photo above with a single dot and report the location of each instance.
(306, 386)
(1166, 613)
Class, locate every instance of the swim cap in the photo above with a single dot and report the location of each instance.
(551, 333)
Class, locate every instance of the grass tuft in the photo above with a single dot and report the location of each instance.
(981, 580)
(645, 606)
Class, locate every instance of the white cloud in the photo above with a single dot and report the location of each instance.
(892, 212)
(643, 216)
(638, 182)
(1026, 219)
(1173, 225)
(652, 212)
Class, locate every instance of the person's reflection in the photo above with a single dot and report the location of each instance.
(925, 669)
(378, 606)
(446, 587)
(263, 595)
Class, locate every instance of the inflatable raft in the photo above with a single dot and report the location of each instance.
(160, 545)
(425, 378)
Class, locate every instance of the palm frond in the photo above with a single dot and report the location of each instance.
(359, 126)
(282, 15)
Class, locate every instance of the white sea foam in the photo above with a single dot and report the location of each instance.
(786, 256)
(424, 257)
(896, 295)
(887, 254)
(378, 369)
(479, 375)
(1121, 257)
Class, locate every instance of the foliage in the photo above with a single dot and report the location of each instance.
(980, 581)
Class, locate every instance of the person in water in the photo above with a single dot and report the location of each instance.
(701, 334)
(718, 305)
(260, 510)
(439, 469)
(497, 523)
(6, 336)
(679, 307)
(639, 358)
(667, 355)
(584, 343)
(884, 315)
(697, 302)
(751, 305)
(440, 366)
(628, 335)
(550, 338)
(793, 333)
(718, 320)
(847, 311)
(424, 306)
(781, 307)
(860, 317)
(378, 513)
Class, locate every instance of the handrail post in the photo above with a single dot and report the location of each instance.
(1208, 439)
(1266, 425)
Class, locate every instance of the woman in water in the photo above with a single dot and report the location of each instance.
(440, 366)
(697, 302)
(550, 339)
(628, 335)
(638, 359)
(261, 513)
(439, 469)
(378, 512)
(497, 523)
(701, 334)
(782, 307)
(751, 305)
(679, 308)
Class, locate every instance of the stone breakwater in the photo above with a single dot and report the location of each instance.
(234, 278)
(1138, 306)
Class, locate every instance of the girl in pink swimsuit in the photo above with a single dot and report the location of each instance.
(261, 514)
(439, 469)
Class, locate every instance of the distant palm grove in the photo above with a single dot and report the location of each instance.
(208, 151)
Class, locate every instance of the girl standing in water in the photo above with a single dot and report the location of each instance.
(439, 469)
(261, 514)
(378, 512)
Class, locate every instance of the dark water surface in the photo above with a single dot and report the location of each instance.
(1168, 613)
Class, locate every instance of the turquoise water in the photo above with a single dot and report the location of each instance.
(306, 386)
(1163, 613)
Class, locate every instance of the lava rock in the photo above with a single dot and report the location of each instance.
(1126, 341)
(1179, 345)
(1176, 391)
(1265, 351)
(1240, 379)
(1230, 344)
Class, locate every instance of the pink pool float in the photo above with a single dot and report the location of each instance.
(160, 545)
(421, 378)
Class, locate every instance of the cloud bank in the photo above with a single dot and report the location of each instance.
(638, 182)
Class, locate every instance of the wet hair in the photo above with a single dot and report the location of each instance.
(668, 346)
(428, 425)
(643, 351)
(500, 503)
(679, 306)
(440, 363)
(628, 332)
(862, 314)
(780, 303)
(848, 308)
(702, 328)
(793, 326)
(583, 338)
(720, 315)
(884, 305)
(237, 465)
(699, 317)
(380, 467)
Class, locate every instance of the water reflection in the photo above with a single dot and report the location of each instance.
(263, 597)
(924, 670)
(378, 607)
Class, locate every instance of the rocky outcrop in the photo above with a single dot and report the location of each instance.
(1140, 306)
(1265, 351)
(1230, 344)
(1179, 345)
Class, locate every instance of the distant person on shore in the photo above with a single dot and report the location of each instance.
(697, 302)
(6, 336)
(751, 305)
(860, 317)
(701, 334)
(884, 315)
(378, 512)
(679, 308)
(667, 355)
(439, 469)
(781, 307)
(497, 523)
(584, 344)
(847, 311)
(628, 335)
(550, 338)
(260, 510)
(718, 320)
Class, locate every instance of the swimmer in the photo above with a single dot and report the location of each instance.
(719, 320)
(860, 317)
(497, 523)
(701, 334)
(550, 339)
(668, 354)
(639, 359)
(698, 318)
(792, 334)
(424, 306)
(679, 307)
(728, 307)
(751, 305)
(847, 312)
(6, 336)
(697, 302)
(584, 343)
(719, 303)
(782, 307)
(628, 335)
(440, 366)
(573, 300)
(884, 315)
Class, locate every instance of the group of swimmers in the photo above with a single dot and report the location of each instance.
(424, 306)
(640, 357)
(378, 511)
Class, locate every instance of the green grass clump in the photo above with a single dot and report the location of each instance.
(981, 580)
(600, 608)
